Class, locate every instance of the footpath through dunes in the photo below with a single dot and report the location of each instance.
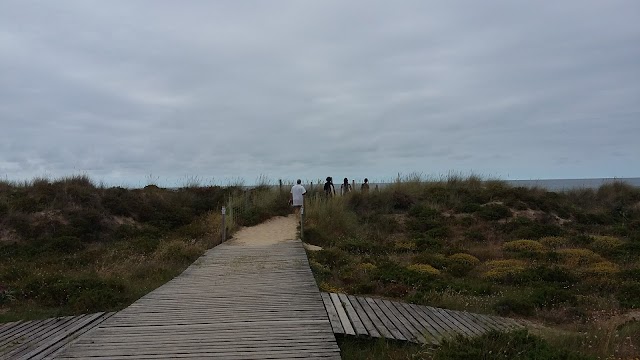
(253, 297)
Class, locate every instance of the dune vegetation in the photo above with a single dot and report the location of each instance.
(566, 260)
(69, 246)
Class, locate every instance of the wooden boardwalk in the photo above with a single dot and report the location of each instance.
(238, 301)
(43, 339)
(365, 316)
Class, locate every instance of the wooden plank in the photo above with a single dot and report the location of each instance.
(426, 323)
(425, 334)
(51, 342)
(394, 316)
(344, 319)
(457, 325)
(358, 326)
(48, 352)
(336, 325)
(382, 329)
(464, 319)
(366, 322)
(447, 328)
(385, 320)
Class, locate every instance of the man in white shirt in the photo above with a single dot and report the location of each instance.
(297, 196)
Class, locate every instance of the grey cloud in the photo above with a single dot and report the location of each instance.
(304, 89)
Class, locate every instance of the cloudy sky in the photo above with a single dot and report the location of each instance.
(130, 92)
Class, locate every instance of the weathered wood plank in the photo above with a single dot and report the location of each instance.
(392, 315)
(342, 314)
(385, 320)
(358, 326)
(368, 324)
(336, 324)
(382, 329)
(426, 336)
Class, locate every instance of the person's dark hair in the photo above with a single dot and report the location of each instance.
(299, 181)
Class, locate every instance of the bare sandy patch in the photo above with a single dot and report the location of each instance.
(271, 231)
(311, 247)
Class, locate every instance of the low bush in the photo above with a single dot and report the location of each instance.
(553, 242)
(605, 244)
(498, 345)
(523, 246)
(461, 264)
(514, 305)
(438, 261)
(424, 269)
(494, 212)
(574, 258)
(506, 271)
(550, 297)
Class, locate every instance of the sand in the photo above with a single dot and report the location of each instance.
(272, 231)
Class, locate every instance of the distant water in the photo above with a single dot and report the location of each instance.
(570, 184)
(553, 184)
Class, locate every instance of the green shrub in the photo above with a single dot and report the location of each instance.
(461, 264)
(83, 294)
(360, 246)
(523, 228)
(475, 235)
(331, 257)
(426, 242)
(438, 261)
(494, 212)
(629, 294)
(467, 208)
(65, 244)
(523, 246)
(514, 305)
(550, 297)
(544, 274)
(497, 345)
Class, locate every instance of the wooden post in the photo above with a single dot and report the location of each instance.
(224, 224)
(302, 223)
(280, 185)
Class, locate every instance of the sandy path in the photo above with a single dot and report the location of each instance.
(270, 232)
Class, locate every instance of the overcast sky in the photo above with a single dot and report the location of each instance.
(130, 92)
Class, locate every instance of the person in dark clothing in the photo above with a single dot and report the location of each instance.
(365, 186)
(329, 189)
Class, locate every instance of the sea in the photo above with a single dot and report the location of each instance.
(572, 184)
(556, 185)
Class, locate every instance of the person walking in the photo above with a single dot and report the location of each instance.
(345, 187)
(365, 186)
(329, 189)
(297, 196)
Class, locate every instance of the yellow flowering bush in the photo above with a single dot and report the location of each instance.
(523, 246)
(405, 246)
(553, 242)
(466, 259)
(602, 268)
(326, 287)
(460, 264)
(605, 244)
(424, 269)
(574, 258)
(367, 267)
(502, 269)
